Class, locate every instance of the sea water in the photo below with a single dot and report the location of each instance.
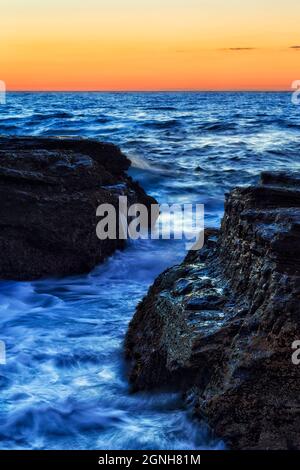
(64, 384)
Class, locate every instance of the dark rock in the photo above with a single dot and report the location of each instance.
(236, 358)
(207, 302)
(50, 189)
(183, 286)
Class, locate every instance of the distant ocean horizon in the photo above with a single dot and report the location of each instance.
(184, 90)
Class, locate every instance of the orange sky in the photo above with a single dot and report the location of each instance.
(149, 44)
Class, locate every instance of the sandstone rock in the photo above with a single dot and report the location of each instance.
(234, 358)
(49, 190)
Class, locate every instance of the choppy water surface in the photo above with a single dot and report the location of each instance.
(64, 384)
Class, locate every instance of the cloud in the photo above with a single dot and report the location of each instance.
(234, 49)
(240, 48)
(295, 47)
(237, 49)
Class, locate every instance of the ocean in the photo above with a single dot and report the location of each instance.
(64, 385)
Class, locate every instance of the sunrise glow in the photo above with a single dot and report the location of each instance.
(149, 45)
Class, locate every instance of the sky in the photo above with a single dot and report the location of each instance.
(149, 44)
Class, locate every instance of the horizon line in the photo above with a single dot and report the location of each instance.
(183, 90)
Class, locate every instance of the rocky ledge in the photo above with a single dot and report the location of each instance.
(220, 326)
(49, 190)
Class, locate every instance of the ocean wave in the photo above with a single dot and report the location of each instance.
(56, 115)
(142, 163)
(170, 124)
(218, 126)
(102, 120)
(4, 127)
(161, 108)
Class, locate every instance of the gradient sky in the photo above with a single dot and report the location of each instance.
(149, 44)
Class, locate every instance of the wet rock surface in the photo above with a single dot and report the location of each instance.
(220, 326)
(49, 191)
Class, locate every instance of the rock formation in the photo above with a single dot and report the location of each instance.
(50, 189)
(221, 325)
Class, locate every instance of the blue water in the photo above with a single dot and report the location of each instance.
(64, 385)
